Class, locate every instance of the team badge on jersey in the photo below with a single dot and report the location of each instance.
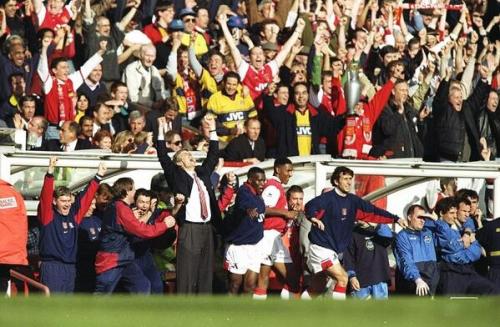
(427, 239)
(369, 245)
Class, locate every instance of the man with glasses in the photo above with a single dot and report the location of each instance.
(188, 17)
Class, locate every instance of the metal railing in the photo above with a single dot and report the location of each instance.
(28, 282)
(321, 166)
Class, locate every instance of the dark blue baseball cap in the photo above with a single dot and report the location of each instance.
(235, 21)
(176, 25)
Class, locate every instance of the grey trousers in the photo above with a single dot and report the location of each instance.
(195, 259)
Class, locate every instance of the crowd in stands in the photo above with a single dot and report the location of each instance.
(244, 81)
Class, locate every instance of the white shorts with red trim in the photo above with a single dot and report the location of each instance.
(272, 248)
(240, 258)
(320, 258)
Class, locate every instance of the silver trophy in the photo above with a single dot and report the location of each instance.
(352, 90)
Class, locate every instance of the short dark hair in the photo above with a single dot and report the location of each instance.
(252, 172)
(293, 189)
(74, 127)
(445, 204)
(281, 161)
(467, 193)
(301, 83)
(57, 61)
(159, 183)
(231, 74)
(84, 119)
(143, 192)
(116, 85)
(340, 170)
(105, 190)
(169, 104)
(161, 6)
(412, 209)
(122, 186)
(13, 75)
(26, 98)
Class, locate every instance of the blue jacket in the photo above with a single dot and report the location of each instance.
(338, 214)
(469, 223)
(413, 250)
(246, 230)
(450, 246)
(59, 233)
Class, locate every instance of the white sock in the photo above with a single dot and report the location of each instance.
(305, 296)
(285, 294)
(259, 296)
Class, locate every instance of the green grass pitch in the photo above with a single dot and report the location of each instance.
(241, 311)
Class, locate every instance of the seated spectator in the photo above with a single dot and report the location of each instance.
(123, 143)
(144, 82)
(136, 122)
(168, 109)
(82, 106)
(173, 141)
(86, 128)
(103, 140)
(35, 140)
(144, 143)
(68, 139)
(458, 253)
(249, 146)
(26, 112)
(104, 118)
(198, 143)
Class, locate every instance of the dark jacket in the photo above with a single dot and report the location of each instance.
(489, 127)
(285, 123)
(239, 148)
(152, 123)
(56, 145)
(181, 182)
(451, 126)
(399, 134)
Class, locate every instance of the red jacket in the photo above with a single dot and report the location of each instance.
(13, 226)
(355, 139)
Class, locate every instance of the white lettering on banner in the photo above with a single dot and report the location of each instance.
(232, 116)
(303, 130)
(8, 203)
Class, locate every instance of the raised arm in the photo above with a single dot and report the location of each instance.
(128, 17)
(43, 67)
(45, 214)
(287, 47)
(78, 77)
(84, 199)
(222, 19)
